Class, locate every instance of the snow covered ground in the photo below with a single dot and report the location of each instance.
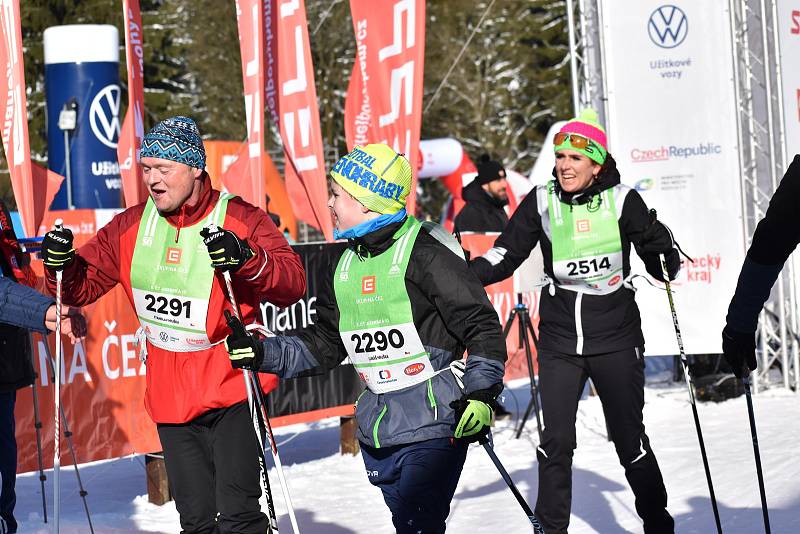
(332, 496)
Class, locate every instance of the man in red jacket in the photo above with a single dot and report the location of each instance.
(159, 253)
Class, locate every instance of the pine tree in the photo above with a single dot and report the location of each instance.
(510, 84)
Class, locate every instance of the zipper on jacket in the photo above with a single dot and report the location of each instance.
(375, 428)
(578, 324)
(432, 400)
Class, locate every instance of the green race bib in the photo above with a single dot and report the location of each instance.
(375, 320)
(171, 282)
(587, 250)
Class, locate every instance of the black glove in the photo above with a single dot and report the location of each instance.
(227, 251)
(244, 350)
(652, 263)
(739, 349)
(57, 249)
(474, 413)
(656, 238)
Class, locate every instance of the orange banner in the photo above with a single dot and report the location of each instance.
(384, 97)
(249, 16)
(296, 112)
(227, 164)
(130, 137)
(34, 189)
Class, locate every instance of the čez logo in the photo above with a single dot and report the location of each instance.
(668, 26)
(104, 115)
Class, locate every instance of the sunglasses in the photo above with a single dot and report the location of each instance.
(577, 141)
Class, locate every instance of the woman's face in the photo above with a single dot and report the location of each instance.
(575, 172)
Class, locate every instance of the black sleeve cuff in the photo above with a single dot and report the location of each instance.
(752, 291)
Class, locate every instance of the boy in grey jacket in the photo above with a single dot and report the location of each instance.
(401, 305)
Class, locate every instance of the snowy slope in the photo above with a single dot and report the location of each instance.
(332, 496)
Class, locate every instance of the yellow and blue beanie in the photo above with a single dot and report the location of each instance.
(176, 139)
(376, 176)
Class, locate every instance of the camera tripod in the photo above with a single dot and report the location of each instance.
(524, 327)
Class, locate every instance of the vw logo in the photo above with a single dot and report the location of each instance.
(104, 115)
(163, 336)
(668, 26)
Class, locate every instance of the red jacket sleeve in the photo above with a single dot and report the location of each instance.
(96, 269)
(275, 272)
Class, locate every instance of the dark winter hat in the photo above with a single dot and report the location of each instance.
(176, 139)
(489, 171)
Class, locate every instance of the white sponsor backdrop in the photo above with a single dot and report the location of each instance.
(673, 131)
(789, 43)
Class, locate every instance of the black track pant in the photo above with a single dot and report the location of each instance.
(619, 379)
(212, 466)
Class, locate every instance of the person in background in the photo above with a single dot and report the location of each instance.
(276, 219)
(22, 310)
(586, 222)
(485, 197)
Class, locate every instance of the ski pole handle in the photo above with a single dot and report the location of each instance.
(58, 224)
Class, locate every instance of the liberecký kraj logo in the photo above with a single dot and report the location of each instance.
(668, 26)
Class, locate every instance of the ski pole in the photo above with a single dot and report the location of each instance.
(59, 225)
(257, 427)
(756, 453)
(37, 424)
(259, 408)
(458, 367)
(68, 434)
(487, 446)
(684, 363)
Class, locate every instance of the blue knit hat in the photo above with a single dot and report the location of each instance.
(176, 139)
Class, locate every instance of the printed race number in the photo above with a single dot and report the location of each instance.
(379, 340)
(163, 305)
(588, 266)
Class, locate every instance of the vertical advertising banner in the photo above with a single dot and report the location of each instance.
(672, 129)
(789, 44)
(130, 138)
(251, 43)
(33, 187)
(384, 97)
(295, 111)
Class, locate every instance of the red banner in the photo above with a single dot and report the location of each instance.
(249, 16)
(295, 111)
(384, 97)
(34, 187)
(130, 138)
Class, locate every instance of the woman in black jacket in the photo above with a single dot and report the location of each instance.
(589, 324)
